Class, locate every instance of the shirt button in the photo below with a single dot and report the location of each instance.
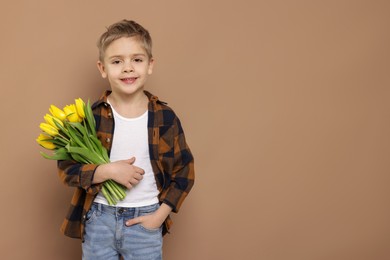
(109, 115)
(108, 140)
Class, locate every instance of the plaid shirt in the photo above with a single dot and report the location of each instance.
(170, 156)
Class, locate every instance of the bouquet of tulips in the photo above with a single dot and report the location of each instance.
(71, 134)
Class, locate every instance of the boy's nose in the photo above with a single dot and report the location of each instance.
(128, 67)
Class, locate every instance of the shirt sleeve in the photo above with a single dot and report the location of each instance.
(78, 175)
(183, 174)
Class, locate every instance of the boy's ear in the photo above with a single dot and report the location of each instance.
(102, 69)
(151, 63)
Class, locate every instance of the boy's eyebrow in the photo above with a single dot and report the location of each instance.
(120, 56)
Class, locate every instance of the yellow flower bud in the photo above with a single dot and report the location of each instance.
(80, 107)
(58, 113)
(71, 113)
(50, 120)
(50, 130)
(42, 140)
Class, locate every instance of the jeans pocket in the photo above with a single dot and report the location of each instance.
(150, 230)
(91, 214)
(147, 211)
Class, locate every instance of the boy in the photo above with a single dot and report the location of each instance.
(148, 154)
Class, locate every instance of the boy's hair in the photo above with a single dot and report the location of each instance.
(124, 28)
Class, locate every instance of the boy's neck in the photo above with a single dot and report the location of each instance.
(129, 106)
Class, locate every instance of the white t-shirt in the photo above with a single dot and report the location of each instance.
(131, 140)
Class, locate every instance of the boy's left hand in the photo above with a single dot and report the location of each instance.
(153, 220)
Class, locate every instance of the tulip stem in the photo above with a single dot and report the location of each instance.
(107, 196)
(64, 138)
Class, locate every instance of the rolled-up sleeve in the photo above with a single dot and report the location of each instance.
(78, 175)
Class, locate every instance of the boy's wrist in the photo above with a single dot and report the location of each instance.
(164, 211)
(101, 173)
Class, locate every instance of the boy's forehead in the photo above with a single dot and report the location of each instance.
(125, 46)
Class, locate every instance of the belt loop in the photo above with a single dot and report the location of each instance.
(99, 209)
(136, 212)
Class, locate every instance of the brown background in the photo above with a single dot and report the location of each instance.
(285, 105)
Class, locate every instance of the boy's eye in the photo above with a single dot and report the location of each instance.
(137, 60)
(116, 61)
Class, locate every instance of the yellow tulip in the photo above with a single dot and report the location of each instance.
(50, 130)
(80, 107)
(50, 120)
(71, 113)
(41, 140)
(57, 113)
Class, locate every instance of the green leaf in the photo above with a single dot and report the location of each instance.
(75, 137)
(87, 154)
(59, 142)
(60, 154)
(100, 148)
(79, 127)
(62, 128)
(90, 118)
(96, 147)
(105, 154)
(78, 158)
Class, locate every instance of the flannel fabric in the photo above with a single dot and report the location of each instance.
(171, 159)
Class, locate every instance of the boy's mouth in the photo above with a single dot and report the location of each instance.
(130, 80)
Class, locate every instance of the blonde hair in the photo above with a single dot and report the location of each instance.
(124, 28)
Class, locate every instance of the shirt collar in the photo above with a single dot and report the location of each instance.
(103, 98)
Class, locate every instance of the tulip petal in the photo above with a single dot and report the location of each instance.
(80, 107)
(50, 130)
(58, 113)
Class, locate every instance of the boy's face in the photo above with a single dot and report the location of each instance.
(126, 65)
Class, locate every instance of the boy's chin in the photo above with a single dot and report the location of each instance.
(128, 90)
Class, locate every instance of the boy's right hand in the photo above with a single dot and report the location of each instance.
(123, 172)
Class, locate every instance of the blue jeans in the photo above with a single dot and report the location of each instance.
(107, 237)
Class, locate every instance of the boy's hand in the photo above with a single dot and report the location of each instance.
(123, 172)
(153, 220)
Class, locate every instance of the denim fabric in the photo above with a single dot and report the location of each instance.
(107, 237)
